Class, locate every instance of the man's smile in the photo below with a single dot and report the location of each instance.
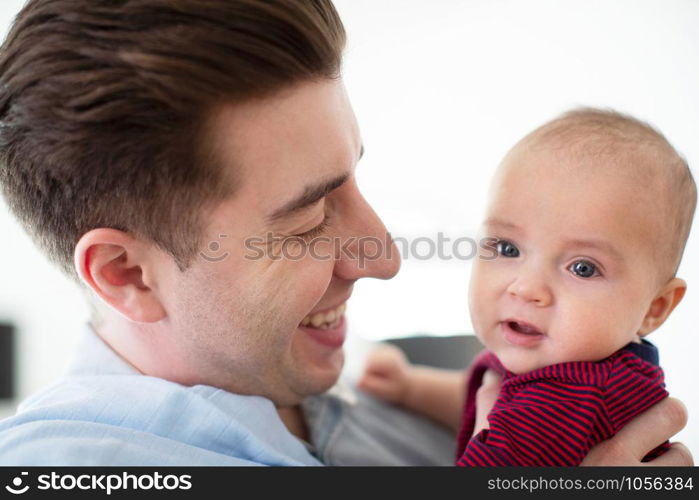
(326, 319)
(327, 327)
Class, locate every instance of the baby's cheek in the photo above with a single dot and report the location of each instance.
(478, 305)
(483, 280)
(586, 342)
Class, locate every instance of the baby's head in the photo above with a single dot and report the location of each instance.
(588, 218)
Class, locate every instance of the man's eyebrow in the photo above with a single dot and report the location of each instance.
(309, 196)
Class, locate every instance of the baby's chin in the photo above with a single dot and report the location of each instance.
(520, 363)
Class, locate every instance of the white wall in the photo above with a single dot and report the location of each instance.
(442, 89)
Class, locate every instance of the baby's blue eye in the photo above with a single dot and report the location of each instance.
(507, 249)
(583, 268)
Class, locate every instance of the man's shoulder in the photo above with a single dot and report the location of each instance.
(139, 420)
(77, 443)
(129, 401)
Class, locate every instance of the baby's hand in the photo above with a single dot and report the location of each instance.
(486, 395)
(386, 374)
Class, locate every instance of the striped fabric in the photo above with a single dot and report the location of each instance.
(554, 415)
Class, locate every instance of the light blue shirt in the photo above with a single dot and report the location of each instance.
(103, 412)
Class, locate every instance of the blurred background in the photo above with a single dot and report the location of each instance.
(442, 89)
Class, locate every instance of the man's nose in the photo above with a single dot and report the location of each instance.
(531, 286)
(365, 248)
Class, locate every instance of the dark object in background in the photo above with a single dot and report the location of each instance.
(7, 361)
(455, 352)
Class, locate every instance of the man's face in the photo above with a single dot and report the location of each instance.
(238, 320)
(575, 271)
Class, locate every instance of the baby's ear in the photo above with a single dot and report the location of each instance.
(663, 304)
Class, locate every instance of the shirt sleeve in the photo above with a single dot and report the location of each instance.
(633, 386)
(546, 423)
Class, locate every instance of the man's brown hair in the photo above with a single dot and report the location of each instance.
(104, 108)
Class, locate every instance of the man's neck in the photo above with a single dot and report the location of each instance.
(293, 419)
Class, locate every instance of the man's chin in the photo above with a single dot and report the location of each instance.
(311, 385)
(319, 377)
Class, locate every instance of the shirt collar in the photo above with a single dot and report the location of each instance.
(645, 350)
(94, 356)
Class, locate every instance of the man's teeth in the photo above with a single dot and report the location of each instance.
(325, 319)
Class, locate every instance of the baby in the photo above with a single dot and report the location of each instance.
(586, 224)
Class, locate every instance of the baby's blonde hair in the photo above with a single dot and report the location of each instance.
(656, 164)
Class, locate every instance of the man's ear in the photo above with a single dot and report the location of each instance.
(116, 266)
(667, 299)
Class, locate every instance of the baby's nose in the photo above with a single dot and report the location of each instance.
(531, 287)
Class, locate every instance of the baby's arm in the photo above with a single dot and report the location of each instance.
(435, 393)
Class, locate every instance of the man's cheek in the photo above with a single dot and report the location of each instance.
(323, 249)
(316, 276)
(302, 282)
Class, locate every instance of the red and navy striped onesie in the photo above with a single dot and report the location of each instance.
(554, 415)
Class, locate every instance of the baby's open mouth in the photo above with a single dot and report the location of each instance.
(523, 328)
(325, 320)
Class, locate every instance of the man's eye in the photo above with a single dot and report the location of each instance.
(507, 249)
(584, 269)
(314, 232)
